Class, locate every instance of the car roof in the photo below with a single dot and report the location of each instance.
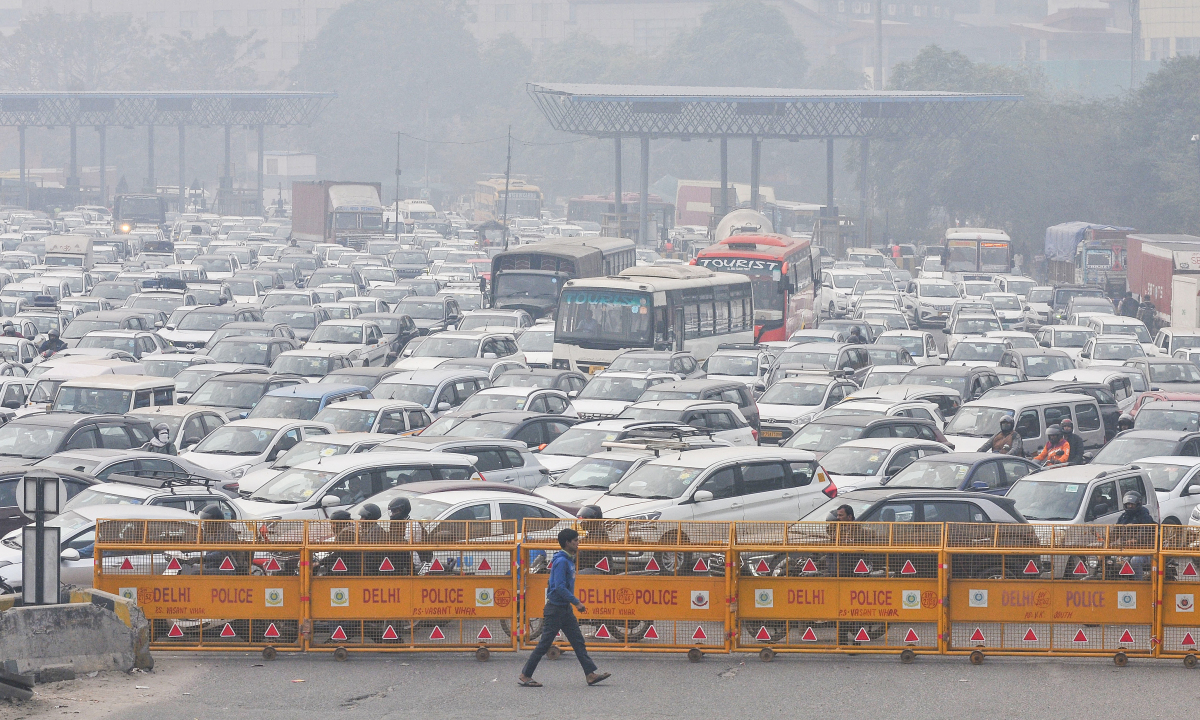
(516, 416)
(512, 390)
(1075, 473)
(710, 456)
(956, 370)
(341, 463)
(375, 404)
(886, 443)
(1172, 405)
(270, 423)
(314, 390)
(63, 419)
(171, 410)
(1040, 352)
(829, 347)
(133, 512)
(417, 441)
(121, 382)
(433, 376)
(697, 384)
(1157, 434)
(1016, 402)
(681, 405)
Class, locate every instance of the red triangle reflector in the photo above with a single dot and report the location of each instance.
(763, 634)
(174, 564)
(338, 634)
(176, 632)
(603, 633)
(603, 564)
(1080, 636)
(700, 566)
(227, 564)
(1126, 637)
(809, 566)
(484, 634)
(1187, 639)
(227, 631)
(1126, 569)
(1031, 568)
(977, 636)
(436, 566)
(271, 566)
(652, 566)
(911, 636)
(437, 634)
(908, 568)
(387, 566)
(862, 636)
(484, 565)
(1080, 569)
(762, 567)
(1030, 636)
(699, 634)
(651, 634)
(126, 565)
(272, 631)
(1189, 570)
(390, 633)
(339, 566)
(809, 635)
(861, 568)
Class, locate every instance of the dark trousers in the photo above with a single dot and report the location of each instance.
(559, 617)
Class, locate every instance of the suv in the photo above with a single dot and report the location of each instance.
(1083, 494)
(728, 391)
(970, 382)
(722, 420)
(749, 365)
(1169, 340)
(680, 363)
(37, 436)
(439, 390)
(821, 436)
(501, 461)
(236, 394)
(155, 491)
(794, 401)
(610, 392)
(907, 505)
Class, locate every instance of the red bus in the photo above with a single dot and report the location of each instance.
(781, 271)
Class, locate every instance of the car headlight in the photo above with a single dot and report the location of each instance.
(802, 419)
(238, 472)
(1196, 513)
(644, 516)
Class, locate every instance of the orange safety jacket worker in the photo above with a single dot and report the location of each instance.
(1055, 454)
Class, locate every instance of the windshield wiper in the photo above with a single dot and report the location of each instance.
(628, 495)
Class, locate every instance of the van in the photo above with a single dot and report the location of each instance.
(1082, 494)
(115, 394)
(978, 420)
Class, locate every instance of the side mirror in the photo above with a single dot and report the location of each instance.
(979, 485)
(943, 356)
(702, 496)
(489, 356)
(443, 406)
(70, 555)
(573, 394)
(158, 323)
(1089, 456)
(330, 501)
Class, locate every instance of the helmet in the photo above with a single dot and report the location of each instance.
(1125, 422)
(591, 512)
(399, 508)
(8, 323)
(1132, 498)
(161, 428)
(370, 511)
(339, 515)
(53, 334)
(1006, 420)
(211, 512)
(1054, 430)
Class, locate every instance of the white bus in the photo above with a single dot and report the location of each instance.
(646, 307)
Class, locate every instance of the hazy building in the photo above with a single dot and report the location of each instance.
(1170, 28)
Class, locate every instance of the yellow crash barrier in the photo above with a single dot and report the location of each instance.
(1179, 578)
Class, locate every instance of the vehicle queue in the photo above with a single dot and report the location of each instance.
(236, 373)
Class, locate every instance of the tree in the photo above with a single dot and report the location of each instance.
(53, 51)
(218, 61)
(738, 43)
(836, 74)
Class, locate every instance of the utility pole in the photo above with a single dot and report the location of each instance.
(877, 80)
(396, 218)
(507, 174)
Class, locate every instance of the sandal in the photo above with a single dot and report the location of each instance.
(528, 683)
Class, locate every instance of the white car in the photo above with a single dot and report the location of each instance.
(444, 346)
(529, 399)
(884, 407)
(237, 446)
(1015, 338)
(969, 325)
(361, 341)
(496, 460)
(608, 393)
(1068, 338)
(1009, 309)
(920, 344)
(389, 417)
(316, 446)
(1176, 481)
(930, 304)
(595, 473)
(1037, 302)
(721, 420)
(796, 400)
(975, 288)
(538, 345)
(1109, 350)
(1119, 325)
(977, 352)
(869, 462)
(833, 297)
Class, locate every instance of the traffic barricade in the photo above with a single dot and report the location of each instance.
(830, 587)
(412, 585)
(211, 584)
(1051, 589)
(648, 586)
(1179, 575)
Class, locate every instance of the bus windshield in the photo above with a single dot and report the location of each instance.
(963, 257)
(765, 276)
(518, 286)
(609, 317)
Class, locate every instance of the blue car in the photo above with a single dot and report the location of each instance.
(970, 471)
(305, 400)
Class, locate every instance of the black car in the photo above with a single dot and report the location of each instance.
(534, 429)
(568, 381)
(970, 382)
(1109, 410)
(10, 517)
(398, 330)
(33, 437)
(1130, 445)
(824, 434)
(236, 394)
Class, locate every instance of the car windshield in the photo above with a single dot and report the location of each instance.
(347, 420)
(975, 326)
(798, 393)
(1124, 450)
(739, 365)
(1164, 476)
(421, 309)
(1118, 351)
(214, 263)
(580, 442)
(228, 393)
(976, 421)
(914, 345)
(204, 320)
(978, 350)
(78, 328)
(307, 450)
(650, 414)
(1005, 303)
(1174, 372)
(812, 359)
(293, 486)
(819, 437)
(474, 322)
(1070, 338)
(929, 474)
(338, 334)
(483, 402)
(1021, 342)
(594, 474)
(443, 347)
(422, 394)
(938, 291)
(91, 496)
(296, 319)
(656, 482)
(879, 377)
(128, 344)
(525, 379)
(1047, 501)
(667, 394)
(958, 382)
(250, 352)
(168, 367)
(640, 362)
(30, 441)
(614, 388)
(286, 406)
(92, 400)
(1151, 418)
(857, 461)
(236, 440)
(458, 427)
(306, 365)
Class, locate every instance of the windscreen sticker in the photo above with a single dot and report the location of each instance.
(1072, 488)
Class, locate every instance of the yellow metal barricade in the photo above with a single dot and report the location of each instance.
(1051, 589)
(828, 587)
(1179, 575)
(212, 584)
(411, 585)
(648, 586)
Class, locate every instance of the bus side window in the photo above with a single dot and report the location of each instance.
(691, 321)
(660, 325)
(706, 318)
(736, 315)
(722, 318)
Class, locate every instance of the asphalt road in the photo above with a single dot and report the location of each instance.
(299, 687)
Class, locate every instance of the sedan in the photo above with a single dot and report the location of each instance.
(977, 472)
(873, 461)
(360, 341)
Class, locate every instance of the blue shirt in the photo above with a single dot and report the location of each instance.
(561, 588)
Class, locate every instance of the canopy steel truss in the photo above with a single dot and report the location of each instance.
(195, 109)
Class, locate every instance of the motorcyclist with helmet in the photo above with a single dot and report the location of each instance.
(399, 509)
(52, 344)
(216, 531)
(1125, 422)
(1057, 450)
(1135, 513)
(10, 330)
(1007, 441)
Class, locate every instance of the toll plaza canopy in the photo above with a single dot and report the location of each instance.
(760, 113)
(51, 109)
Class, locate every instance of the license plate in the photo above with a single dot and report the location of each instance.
(771, 434)
(593, 369)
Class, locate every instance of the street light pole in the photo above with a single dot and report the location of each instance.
(396, 218)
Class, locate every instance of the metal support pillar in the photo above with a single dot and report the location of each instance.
(755, 160)
(226, 180)
(24, 190)
(73, 175)
(151, 182)
(829, 173)
(877, 80)
(644, 195)
(724, 176)
(618, 196)
(258, 200)
(103, 130)
(864, 194)
(182, 173)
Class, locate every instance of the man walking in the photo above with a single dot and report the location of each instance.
(560, 596)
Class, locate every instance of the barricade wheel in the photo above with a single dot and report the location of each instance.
(554, 653)
(1120, 659)
(340, 654)
(696, 654)
(1189, 661)
(976, 658)
(766, 654)
(268, 653)
(907, 656)
(482, 654)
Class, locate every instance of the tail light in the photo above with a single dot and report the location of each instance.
(830, 489)
(754, 434)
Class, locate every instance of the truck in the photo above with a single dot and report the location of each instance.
(1088, 254)
(69, 251)
(129, 211)
(1155, 262)
(327, 211)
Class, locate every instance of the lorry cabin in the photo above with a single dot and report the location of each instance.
(69, 251)
(1088, 254)
(345, 213)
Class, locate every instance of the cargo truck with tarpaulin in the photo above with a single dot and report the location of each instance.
(1088, 254)
(346, 213)
(1156, 262)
